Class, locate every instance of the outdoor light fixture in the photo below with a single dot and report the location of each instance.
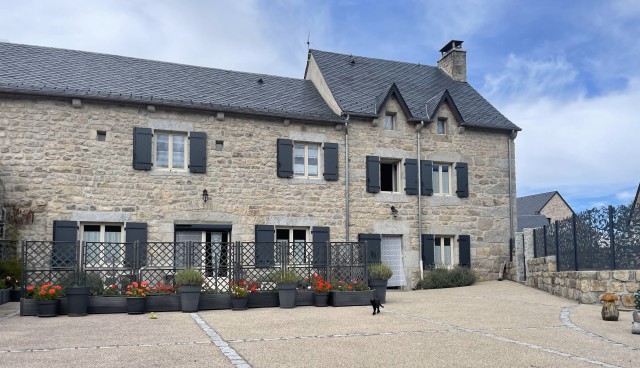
(205, 196)
(394, 211)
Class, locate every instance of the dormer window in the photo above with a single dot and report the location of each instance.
(390, 121)
(442, 126)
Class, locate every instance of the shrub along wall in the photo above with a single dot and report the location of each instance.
(583, 286)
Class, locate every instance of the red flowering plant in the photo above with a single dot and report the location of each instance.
(47, 291)
(111, 290)
(353, 285)
(136, 289)
(161, 289)
(241, 289)
(319, 285)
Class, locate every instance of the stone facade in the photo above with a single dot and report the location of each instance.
(583, 286)
(556, 209)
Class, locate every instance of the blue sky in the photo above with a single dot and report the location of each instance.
(567, 72)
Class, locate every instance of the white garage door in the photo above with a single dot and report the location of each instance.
(391, 248)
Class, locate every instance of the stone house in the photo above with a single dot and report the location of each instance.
(541, 209)
(407, 157)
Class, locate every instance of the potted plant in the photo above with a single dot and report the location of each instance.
(163, 298)
(212, 299)
(379, 275)
(240, 293)
(304, 293)
(47, 299)
(609, 309)
(287, 282)
(350, 293)
(137, 297)
(189, 282)
(321, 289)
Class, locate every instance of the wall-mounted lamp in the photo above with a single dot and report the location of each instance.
(394, 211)
(205, 196)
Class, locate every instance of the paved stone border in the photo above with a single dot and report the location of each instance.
(3, 318)
(106, 347)
(224, 347)
(565, 316)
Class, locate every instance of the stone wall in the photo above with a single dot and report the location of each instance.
(556, 209)
(52, 161)
(583, 286)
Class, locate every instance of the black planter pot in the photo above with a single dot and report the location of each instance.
(239, 303)
(189, 298)
(77, 301)
(163, 303)
(287, 294)
(321, 299)
(108, 304)
(350, 298)
(263, 299)
(304, 298)
(379, 289)
(15, 295)
(136, 304)
(214, 301)
(48, 308)
(5, 295)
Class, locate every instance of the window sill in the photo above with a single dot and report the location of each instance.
(298, 180)
(169, 173)
(443, 200)
(391, 197)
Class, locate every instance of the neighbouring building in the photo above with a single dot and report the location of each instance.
(541, 209)
(407, 157)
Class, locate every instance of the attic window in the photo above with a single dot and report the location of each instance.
(101, 136)
(219, 145)
(390, 121)
(442, 126)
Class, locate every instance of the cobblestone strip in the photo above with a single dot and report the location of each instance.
(218, 341)
(105, 347)
(356, 334)
(9, 316)
(507, 340)
(565, 316)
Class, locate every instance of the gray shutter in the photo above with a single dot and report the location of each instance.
(411, 176)
(135, 231)
(426, 180)
(285, 158)
(65, 237)
(464, 250)
(198, 152)
(374, 247)
(373, 174)
(142, 141)
(462, 173)
(428, 247)
(331, 161)
(320, 238)
(264, 245)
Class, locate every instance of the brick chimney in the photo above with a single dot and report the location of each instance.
(454, 60)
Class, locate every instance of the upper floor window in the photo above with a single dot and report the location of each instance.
(442, 126)
(441, 179)
(390, 121)
(306, 160)
(389, 175)
(171, 151)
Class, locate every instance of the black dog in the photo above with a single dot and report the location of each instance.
(375, 303)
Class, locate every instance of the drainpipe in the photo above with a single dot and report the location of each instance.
(346, 176)
(511, 232)
(418, 130)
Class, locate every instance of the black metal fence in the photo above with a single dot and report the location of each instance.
(8, 250)
(604, 238)
(102, 264)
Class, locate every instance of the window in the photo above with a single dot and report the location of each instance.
(306, 160)
(171, 151)
(295, 241)
(389, 175)
(390, 121)
(219, 145)
(443, 251)
(103, 244)
(101, 135)
(441, 179)
(441, 128)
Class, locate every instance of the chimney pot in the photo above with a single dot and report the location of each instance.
(454, 60)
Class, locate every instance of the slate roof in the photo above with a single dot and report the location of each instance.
(531, 222)
(68, 73)
(357, 83)
(533, 204)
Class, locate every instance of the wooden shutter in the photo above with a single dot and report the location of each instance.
(373, 174)
(65, 238)
(411, 176)
(198, 152)
(264, 245)
(462, 173)
(135, 231)
(142, 142)
(331, 161)
(285, 158)
(464, 250)
(426, 177)
(428, 247)
(374, 245)
(320, 236)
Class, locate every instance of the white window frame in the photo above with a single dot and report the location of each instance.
(170, 163)
(293, 249)
(396, 176)
(439, 261)
(437, 181)
(101, 250)
(389, 118)
(306, 146)
(443, 123)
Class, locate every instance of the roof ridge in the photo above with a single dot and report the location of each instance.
(378, 59)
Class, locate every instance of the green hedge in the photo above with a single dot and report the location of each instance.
(440, 278)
